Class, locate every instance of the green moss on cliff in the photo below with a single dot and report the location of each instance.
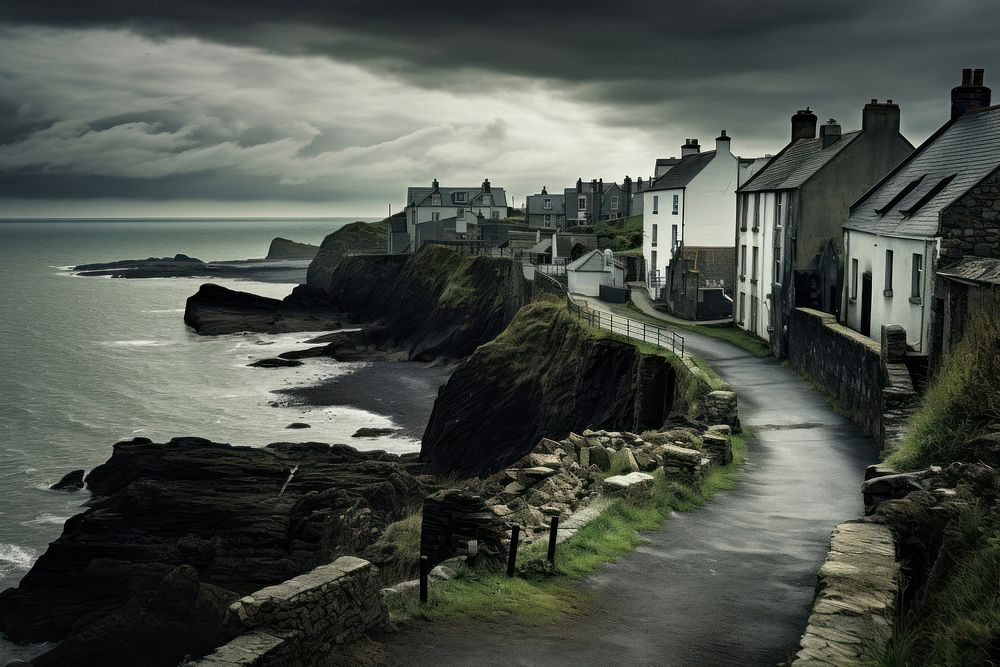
(358, 236)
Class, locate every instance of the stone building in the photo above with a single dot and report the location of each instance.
(546, 211)
(913, 238)
(701, 281)
(437, 203)
(789, 217)
(591, 202)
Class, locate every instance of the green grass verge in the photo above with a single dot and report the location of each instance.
(534, 598)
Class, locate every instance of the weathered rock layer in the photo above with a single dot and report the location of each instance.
(217, 310)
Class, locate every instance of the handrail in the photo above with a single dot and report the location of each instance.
(627, 327)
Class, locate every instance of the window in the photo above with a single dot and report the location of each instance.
(653, 237)
(614, 202)
(652, 265)
(496, 215)
(743, 262)
(460, 214)
(547, 203)
(435, 200)
(756, 211)
(676, 204)
(743, 307)
(656, 204)
(581, 203)
(673, 236)
(888, 273)
(461, 197)
(548, 220)
(487, 199)
(776, 278)
(753, 267)
(777, 211)
(744, 205)
(916, 277)
(435, 216)
(753, 313)
(854, 279)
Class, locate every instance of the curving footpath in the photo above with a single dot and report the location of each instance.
(730, 583)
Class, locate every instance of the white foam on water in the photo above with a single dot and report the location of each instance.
(14, 557)
(136, 343)
(164, 310)
(46, 518)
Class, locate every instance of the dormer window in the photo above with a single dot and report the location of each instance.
(435, 200)
(487, 199)
(461, 197)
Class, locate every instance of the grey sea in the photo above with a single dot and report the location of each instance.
(89, 361)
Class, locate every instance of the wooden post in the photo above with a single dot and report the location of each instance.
(515, 533)
(424, 572)
(553, 531)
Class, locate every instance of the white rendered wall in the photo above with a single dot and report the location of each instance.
(869, 250)
(764, 240)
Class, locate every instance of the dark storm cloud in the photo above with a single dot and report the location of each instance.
(535, 91)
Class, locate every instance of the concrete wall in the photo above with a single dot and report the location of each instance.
(589, 283)
(302, 620)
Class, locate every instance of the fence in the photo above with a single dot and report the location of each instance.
(624, 326)
(551, 269)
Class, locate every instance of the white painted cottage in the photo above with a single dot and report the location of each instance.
(692, 201)
(939, 206)
(586, 274)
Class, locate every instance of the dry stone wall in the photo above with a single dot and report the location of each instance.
(301, 621)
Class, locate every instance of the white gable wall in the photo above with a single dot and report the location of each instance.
(898, 307)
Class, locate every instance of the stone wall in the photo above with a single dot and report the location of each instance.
(868, 378)
(971, 226)
(301, 621)
(855, 597)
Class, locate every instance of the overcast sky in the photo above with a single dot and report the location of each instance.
(194, 107)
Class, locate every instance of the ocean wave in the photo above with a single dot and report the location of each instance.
(14, 557)
(135, 343)
(46, 519)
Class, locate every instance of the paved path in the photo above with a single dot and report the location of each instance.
(729, 583)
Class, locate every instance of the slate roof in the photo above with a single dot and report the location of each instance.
(975, 269)
(418, 195)
(536, 204)
(683, 172)
(797, 163)
(966, 150)
(592, 261)
(542, 247)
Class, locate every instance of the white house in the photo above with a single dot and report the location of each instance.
(938, 206)
(586, 274)
(692, 202)
(463, 204)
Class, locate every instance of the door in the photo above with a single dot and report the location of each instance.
(866, 304)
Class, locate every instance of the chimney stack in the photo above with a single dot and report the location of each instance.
(486, 185)
(880, 117)
(579, 185)
(722, 143)
(829, 132)
(434, 184)
(544, 191)
(690, 147)
(972, 94)
(804, 125)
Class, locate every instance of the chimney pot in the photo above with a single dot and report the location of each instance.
(977, 77)
(967, 76)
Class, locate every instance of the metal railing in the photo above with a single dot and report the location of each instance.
(551, 269)
(627, 327)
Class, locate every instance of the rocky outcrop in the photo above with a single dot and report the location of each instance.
(545, 376)
(437, 303)
(356, 237)
(71, 481)
(215, 310)
(241, 518)
(282, 248)
(182, 266)
(302, 621)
